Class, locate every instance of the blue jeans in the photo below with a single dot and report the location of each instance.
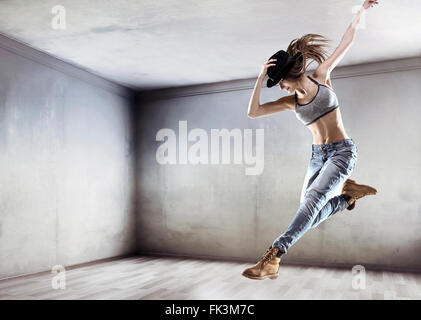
(330, 165)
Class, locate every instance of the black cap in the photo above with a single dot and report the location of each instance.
(284, 63)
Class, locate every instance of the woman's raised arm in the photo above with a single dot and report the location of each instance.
(347, 40)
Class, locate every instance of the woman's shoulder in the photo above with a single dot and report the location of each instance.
(321, 78)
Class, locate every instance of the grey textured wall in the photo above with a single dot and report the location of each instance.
(66, 159)
(217, 210)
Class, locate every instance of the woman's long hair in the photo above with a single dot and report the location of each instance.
(313, 48)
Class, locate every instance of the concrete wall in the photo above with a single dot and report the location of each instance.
(218, 210)
(66, 159)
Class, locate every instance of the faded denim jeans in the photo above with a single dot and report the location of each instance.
(330, 165)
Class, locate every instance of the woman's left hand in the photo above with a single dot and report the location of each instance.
(370, 3)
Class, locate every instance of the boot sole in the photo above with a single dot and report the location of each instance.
(270, 276)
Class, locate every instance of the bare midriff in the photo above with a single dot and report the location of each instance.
(328, 128)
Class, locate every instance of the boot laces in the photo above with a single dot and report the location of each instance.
(267, 256)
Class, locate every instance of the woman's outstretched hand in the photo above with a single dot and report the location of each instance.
(265, 67)
(369, 4)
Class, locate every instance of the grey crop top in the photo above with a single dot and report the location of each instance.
(324, 102)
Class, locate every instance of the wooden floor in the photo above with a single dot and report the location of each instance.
(146, 277)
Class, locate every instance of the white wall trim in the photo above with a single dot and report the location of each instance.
(24, 50)
(358, 70)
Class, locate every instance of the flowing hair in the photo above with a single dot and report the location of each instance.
(312, 47)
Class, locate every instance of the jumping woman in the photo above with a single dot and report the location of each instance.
(334, 153)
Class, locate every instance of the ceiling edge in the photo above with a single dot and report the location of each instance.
(356, 70)
(24, 50)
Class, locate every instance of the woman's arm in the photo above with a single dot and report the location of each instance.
(348, 38)
(254, 103)
(255, 109)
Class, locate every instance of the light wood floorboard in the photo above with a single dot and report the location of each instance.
(148, 277)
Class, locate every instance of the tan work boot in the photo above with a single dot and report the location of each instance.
(356, 191)
(267, 266)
